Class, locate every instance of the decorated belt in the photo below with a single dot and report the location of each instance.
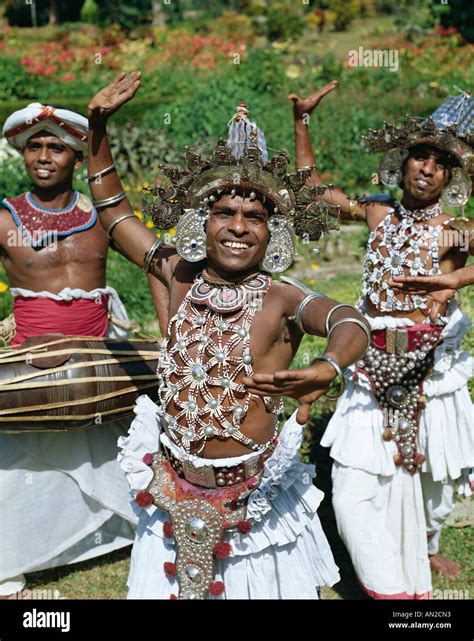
(210, 476)
(396, 365)
(405, 339)
(199, 519)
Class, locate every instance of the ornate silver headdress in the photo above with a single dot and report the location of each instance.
(239, 166)
(450, 128)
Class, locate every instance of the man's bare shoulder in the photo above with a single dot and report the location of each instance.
(286, 296)
(375, 213)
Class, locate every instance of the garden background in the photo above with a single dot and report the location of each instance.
(199, 60)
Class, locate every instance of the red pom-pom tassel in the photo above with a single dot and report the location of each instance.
(216, 588)
(147, 458)
(222, 550)
(144, 498)
(170, 568)
(168, 530)
(244, 527)
(173, 597)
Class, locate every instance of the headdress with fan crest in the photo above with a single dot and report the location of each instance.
(450, 128)
(240, 165)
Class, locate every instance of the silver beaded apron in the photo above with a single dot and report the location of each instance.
(396, 374)
(213, 322)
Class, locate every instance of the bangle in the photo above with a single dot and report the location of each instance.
(331, 312)
(116, 222)
(307, 168)
(102, 172)
(299, 310)
(106, 202)
(353, 208)
(150, 254)
(356, 321)
(342, 383)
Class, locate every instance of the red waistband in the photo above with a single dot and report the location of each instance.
(79, 317)
(416, 336)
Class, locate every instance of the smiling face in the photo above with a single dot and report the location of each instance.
(427, 171)
(49, 161)
(237, 234)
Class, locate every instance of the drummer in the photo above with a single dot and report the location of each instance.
(63, 496)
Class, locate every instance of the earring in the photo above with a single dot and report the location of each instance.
(390, 170)
(458, 190)
(281, 247)
(191, 235)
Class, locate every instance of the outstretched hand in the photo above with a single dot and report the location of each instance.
(302, 106)
(306, 385)
(439, 289)
(109, 99)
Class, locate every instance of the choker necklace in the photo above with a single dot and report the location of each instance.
(224, 298)
(220, 282)
(421, 214)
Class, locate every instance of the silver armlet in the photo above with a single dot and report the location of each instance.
(149, 256)
(102, 172)
(342, 382)
(356, 321)
(116, 222)
(331, 312)
(106, 202)
(300, 308)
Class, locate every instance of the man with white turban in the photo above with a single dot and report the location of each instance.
(63, 497)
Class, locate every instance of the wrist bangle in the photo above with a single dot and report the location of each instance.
(151, 254)
(113, 225)
(106, 202)
(307, 168)
(102, 172)
(342, 383)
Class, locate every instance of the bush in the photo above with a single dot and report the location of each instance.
(284, 20)
(344, 12)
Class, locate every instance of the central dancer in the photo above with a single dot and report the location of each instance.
(226, 507)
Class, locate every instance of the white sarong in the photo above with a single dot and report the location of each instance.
(63, 497)
(383, 512)
(286, 554)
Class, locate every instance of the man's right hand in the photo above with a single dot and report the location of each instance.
(302, 106)
(109, 100)
(439, 289)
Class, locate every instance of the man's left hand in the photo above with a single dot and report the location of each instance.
(306, 385)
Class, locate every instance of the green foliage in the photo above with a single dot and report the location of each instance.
(284, 20)
(90, 12)
(15, 81)
(460, 14)
(344, 12)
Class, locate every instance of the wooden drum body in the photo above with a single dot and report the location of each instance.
(57, 383)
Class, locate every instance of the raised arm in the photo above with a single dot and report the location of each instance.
(302, 109)
(130, 235)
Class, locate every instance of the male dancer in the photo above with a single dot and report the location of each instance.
(63, 498)
(402, 432)
(227, 508)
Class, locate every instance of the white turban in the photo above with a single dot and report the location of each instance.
(69, 126)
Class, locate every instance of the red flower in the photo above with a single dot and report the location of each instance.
(170, 569)
(147, 458)
(216, 588)
(252, 482)
(168, 530)
(173, 597)
(144, 498)
(222, 550)
(244, 527)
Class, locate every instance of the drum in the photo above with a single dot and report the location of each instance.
(57, 383)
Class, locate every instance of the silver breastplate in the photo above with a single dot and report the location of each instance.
(201, 360)
(391, 249)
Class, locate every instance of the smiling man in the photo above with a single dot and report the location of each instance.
(402, 433)
(55, 497)
(226, 507)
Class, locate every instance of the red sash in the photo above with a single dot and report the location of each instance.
(80, 317)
